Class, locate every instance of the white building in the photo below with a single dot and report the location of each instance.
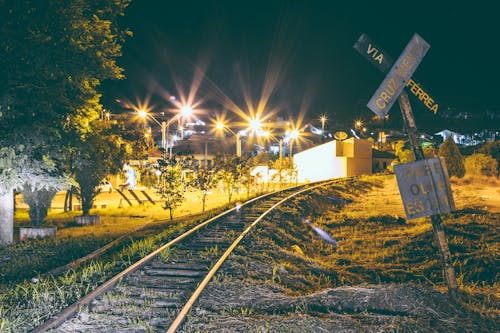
(334, 159)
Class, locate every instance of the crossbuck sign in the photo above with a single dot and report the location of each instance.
(395, 81)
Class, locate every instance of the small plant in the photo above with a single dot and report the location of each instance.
(165, 255)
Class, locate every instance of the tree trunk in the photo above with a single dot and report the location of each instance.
(7, 218)
(68, 200)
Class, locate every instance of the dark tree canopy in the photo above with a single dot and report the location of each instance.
(54, 54)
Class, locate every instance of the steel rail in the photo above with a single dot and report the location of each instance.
(196, 294)
(69, 311)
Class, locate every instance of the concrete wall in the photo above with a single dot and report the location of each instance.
(334, 159)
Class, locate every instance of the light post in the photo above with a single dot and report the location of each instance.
(185, 112)
(221, 126)
(294, 134)
(143, 114)
(323, 119)
(267, 135)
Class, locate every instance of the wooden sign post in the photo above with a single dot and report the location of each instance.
(381, 102)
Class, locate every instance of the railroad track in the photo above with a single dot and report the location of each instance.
(159, 290)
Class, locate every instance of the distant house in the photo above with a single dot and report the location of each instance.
(381, 160)
(334, 159)
(458, 138)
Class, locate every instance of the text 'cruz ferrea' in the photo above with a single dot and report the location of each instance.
(398, 76)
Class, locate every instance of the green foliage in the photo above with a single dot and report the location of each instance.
(171, 188)
(481, 165)
(245, 177)
(454, 160)
(55, 54)
(492, 149)
(100, 154)
(430, 151)
(19, 169)
(404, 154)
(39, 203)
(286, 171)
(228, 173)
(205, 180)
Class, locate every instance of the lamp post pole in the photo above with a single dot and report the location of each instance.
(238, 145)
(221, 126)
(323, 120)
(164, 138)
(281, 149)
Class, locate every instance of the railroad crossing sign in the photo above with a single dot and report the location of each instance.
(383, 62)
(395, 81)
(424, 188)
(418, 177)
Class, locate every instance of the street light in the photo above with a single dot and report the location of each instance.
(144, 114)
(323, 118)
(220, 126)
(267, 135)
(293, 134)
(185, 112)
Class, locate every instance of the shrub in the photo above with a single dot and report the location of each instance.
(481, 165)
(454, 160)
(492, 149)
(39, 203)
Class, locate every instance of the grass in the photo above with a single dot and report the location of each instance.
(377, 245)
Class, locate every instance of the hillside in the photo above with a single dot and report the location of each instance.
(384, 273)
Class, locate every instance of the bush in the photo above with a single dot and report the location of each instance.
(481, 165)
(454, 160)
(39, 203)
(492, 149)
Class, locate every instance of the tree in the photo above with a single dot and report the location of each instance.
(404, 153)
(15, 169)
(454, 160)
(244, 169)
(430, 151)
(54, 55)
(39, 203)
(101, 153)
(481, 165)
(286, 170)
(205, 180)
(171, 189)
(228, 174)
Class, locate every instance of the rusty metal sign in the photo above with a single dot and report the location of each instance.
(425, 188)
(383, 62)
(395, 81)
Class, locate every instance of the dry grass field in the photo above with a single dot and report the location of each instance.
(384, 274)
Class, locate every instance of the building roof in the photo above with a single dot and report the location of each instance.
(382, 154)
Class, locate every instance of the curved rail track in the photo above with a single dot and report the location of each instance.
(161, 288)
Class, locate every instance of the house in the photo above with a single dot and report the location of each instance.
(381, 160)
(334, 159)
(458, 138)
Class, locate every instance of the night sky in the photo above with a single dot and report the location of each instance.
(307, 47)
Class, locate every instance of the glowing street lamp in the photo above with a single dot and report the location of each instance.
(255, 125)
(358, 124)
(323, 119)
(292, 135)
(184, 112)
(221, 126)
